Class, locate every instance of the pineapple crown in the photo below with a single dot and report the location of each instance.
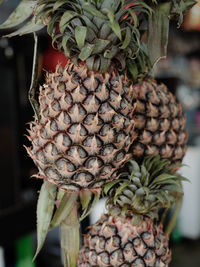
(104, 34)
(144, 190)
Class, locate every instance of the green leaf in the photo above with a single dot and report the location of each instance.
(60, 194)
(169, 182)
(169, 199)
(57, 5)
(45, 207)
(158, 33)
(110, 185)
(159, 167)
(100, 46)
(90, 207)
(174, 166)
(173, 188)
(66, 204)
(110, 5)
(162, 177)
(70, 238)
(66, 18)
(150, 161)
(104, 64)
(147, 7)
(133, 166)
(86, 51)
(51, 28)
(64, 45)
(29, 27)
(132, 68)
(180, 6)
(80, 35)
(20, 14)
(120, 189)
(145, 175)
(85, 197)
(160, 198)
(114, 23)
(127, 39)
(116, 29)
(91, 9)
(182, 178)
(134, 17)
(111, 53)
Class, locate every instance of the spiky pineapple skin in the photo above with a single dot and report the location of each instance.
(159, 123)
(85, 129)
(115, 241)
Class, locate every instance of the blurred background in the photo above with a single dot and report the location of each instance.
(18, 192)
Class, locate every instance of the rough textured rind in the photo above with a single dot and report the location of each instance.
(114, 241)
(159, 124)
(86, 127)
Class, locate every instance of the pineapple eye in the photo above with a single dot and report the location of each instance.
(45, 112)
(150, 255)
(105, 107)
(120, 156)
(82, 153)
(73, 128)
(93, 241)
(61, 87)
(89, 141)
(64, 164)
(53, 173)
(82, 177)
(120, 137)
(55, 105)
(116, 241)
(101, 243)
(93, 257)
(41, 157)
(107, 150)
(50, 95)
(106, 170)
(43, 133)
(93, 162)
(113, 96)
(67, 119)
(124, 103)
(104, 257)
(117, 255)
(68, 99)
(54, 126)
(138, 262)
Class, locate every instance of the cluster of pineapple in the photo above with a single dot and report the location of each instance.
(105, 127)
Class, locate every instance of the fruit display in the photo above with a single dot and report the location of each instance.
(100, 111)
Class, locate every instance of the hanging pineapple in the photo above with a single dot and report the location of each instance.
(129, 235)
(102, 108)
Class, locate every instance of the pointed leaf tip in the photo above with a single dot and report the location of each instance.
(19, 15)
(45, 207)
(66, 205)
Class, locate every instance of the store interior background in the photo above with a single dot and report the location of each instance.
(18, 192)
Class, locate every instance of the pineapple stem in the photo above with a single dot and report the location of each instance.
(34, 79)
(70, 237)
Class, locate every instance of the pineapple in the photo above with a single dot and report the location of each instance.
(159, 124)
(116, 242)
(85, 128)
(130, 234)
